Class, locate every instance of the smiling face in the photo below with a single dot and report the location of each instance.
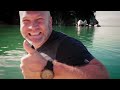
(35, 26)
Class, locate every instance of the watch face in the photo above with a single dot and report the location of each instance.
(47, 74)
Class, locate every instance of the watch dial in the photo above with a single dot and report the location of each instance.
(47, 74)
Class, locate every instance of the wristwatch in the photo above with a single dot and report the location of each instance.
(47, 72)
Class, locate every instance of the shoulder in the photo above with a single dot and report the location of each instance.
(58, 35)
(71, 43)
(72, 47)
(73, 52)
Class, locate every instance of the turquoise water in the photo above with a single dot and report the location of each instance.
(11, 51)
(102, 42)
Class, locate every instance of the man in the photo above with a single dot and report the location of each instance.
(54, 55)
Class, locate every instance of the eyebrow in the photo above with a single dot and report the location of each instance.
(39, 17)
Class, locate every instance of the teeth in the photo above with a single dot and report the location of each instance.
(35, 33)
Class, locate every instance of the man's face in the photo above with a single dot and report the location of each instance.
(35, 26)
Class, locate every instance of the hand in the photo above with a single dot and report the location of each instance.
(32, 64)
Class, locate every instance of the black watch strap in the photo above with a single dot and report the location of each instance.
(49, 65)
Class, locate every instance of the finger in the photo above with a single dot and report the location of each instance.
(27, 47)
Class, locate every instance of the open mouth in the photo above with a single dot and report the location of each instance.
(34, 34)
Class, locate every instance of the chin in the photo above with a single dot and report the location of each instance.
(37, 44)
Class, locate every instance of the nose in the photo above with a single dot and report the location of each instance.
(33, 26)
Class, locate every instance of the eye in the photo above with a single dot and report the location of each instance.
(26, 21)
(40, 20)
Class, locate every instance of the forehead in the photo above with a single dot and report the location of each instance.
(32, 13)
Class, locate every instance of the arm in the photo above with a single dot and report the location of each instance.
(93, 70)
(33, 63)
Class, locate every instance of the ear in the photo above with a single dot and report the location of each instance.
(50, 23)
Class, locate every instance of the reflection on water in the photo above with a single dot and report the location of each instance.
(86, 34)
(85, 30)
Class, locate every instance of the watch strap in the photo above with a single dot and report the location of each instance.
(49, 65)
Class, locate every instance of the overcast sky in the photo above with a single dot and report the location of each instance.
(108, 18)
